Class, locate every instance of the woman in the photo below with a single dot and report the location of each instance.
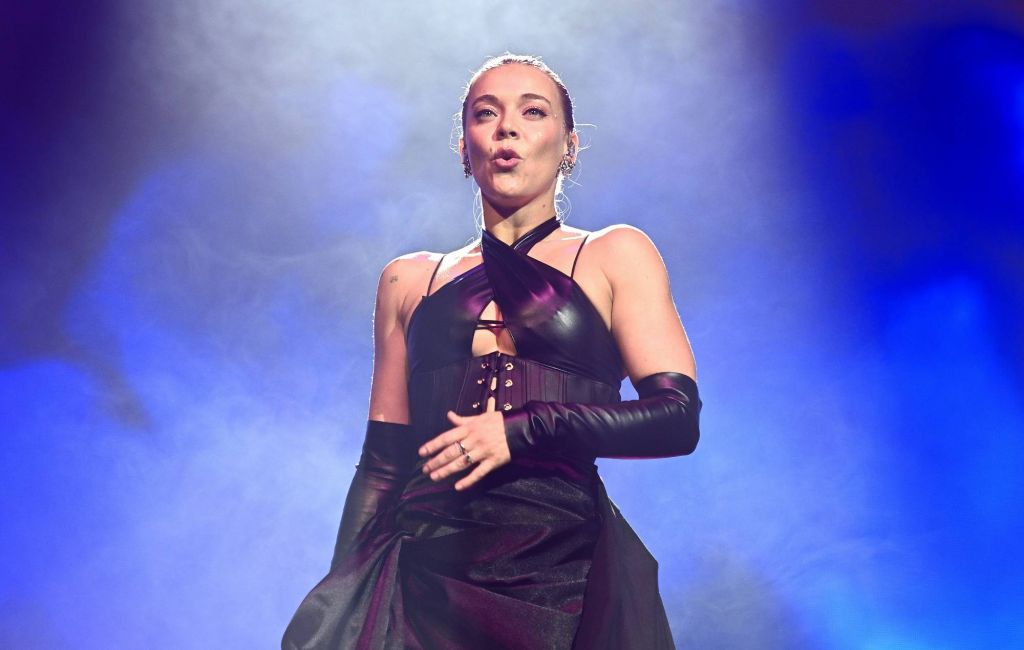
(476, 518)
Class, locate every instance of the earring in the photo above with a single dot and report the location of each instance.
(568, 161)
(466, 169)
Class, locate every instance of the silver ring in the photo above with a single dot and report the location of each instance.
(469, 460)
(461, 448)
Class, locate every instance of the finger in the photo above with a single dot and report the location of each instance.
(481, 470)
(440, 442)
(456, 464)
(443, 457)
(456, 418)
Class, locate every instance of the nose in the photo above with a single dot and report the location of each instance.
(506, 128)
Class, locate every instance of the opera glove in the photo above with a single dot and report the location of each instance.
(388, 457)
(664, 421)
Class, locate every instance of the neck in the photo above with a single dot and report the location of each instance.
(508, 225)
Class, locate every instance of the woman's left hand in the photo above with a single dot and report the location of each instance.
(483, 438)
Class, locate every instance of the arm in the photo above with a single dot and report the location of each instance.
(664, 421)
(380, 474)
(388, 453)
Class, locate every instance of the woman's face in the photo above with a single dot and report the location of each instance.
(514, 135)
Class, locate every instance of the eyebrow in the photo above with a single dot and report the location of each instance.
(494, 100)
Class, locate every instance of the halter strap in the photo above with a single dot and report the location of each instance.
(575, 259)
(434, 274)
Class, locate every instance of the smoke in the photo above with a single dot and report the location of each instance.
(201, 196)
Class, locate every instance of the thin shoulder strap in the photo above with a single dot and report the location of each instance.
(434, 274)
(575, 259)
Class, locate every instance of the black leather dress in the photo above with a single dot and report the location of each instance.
(534, 555)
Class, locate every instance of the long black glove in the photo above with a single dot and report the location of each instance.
(389, 454)
(664, 421)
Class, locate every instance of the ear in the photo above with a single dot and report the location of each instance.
(573, 145)
(462, 149)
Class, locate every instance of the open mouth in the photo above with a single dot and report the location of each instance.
(506, 159)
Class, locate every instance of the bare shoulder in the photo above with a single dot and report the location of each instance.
(411, 264)
(625, 250)
(404, 275)
(624, 238)
(574, 233)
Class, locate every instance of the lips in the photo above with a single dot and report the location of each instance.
(505, 158)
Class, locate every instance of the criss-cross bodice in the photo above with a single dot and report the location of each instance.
(564, 351)
(549, 317)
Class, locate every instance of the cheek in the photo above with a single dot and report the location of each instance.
(549, 142)
(476, 143)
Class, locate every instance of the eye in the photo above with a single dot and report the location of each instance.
(535, 112)
(483, 112)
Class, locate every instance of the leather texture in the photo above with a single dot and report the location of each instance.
(549, 317)
(387, 458)
(535, 555)
(664, 421)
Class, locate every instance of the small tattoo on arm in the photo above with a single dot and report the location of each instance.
(393, 278)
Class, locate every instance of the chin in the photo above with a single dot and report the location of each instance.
(505, 193)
